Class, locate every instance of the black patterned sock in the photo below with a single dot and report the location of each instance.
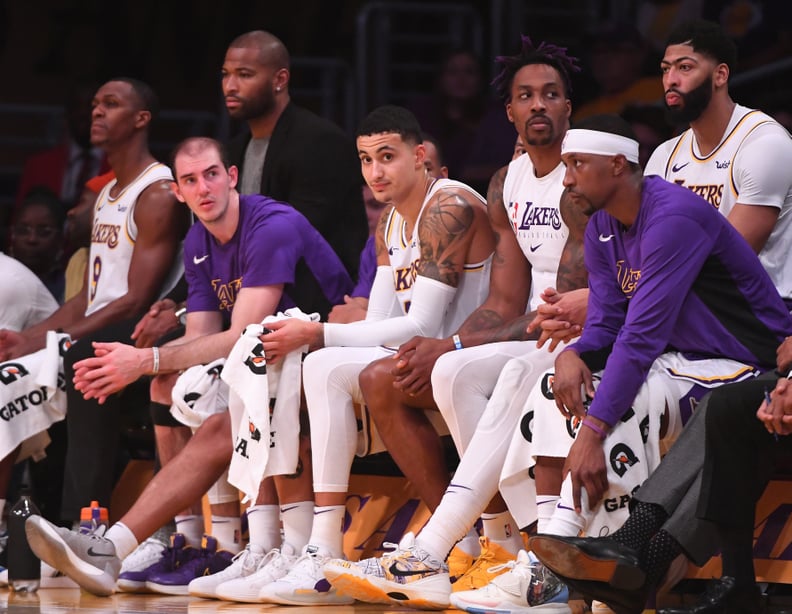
(661, 551)
(644, 521)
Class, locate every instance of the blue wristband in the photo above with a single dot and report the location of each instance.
(457, 342)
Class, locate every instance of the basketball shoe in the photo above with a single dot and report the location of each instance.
(304, 584)
(489, 564)
(244, 563)
(408, 576)
(200, 562)
(526, 586)
(273, 566)
(87, 558)
(136, 567)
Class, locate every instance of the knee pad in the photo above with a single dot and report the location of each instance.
(221, 491)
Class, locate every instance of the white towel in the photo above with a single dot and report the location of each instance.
(265, 408)
(198, 393)
(32, 396)
(631, 453)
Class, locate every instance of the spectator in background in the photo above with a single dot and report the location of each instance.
(37, 238)
(618, 56)
(650, 126)
(470, 128)
(64, 169)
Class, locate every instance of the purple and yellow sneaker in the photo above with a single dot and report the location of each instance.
(203, 562)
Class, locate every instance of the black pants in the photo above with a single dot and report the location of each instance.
(93, 430)
(740, 456)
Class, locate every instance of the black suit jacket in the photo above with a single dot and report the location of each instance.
(313, 166)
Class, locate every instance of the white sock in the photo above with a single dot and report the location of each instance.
(545, 506)
(502, 530)
(123, 539)
(457, 512)
(227, 530)
(470, 543)
(264, 526)
(298, 521)
(326, 533)
(192, 527)
(566, 521)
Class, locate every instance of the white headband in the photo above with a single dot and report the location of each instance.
(599, 143)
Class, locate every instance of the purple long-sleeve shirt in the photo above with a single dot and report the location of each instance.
(681, 278)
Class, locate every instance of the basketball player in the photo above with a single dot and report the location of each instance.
(539, 246)
(240, 264)
(135, 241)
(434, 250)
(731, 154)
(644, 236)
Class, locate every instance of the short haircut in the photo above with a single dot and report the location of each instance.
(612, 124)
(272, 51)
(544, 53)
(196, 144)
(42, 196)
(706, 38)
(428, 138)
(147, 98)
(391, 119)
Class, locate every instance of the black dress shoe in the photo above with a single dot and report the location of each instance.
(599, 559)
(723, 597)
(621, 601)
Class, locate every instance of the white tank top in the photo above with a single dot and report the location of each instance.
(113, 238)
(404, 254)
(732, 172)
(533, 207)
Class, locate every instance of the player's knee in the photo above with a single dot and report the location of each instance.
(376, 379)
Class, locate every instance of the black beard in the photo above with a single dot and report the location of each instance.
(693, 104)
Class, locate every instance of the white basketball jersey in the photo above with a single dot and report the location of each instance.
(533, 207)
(113, 238)
(404, 254)
(736, 172)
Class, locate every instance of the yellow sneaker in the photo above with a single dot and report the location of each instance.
(458, 563)
(479, 574)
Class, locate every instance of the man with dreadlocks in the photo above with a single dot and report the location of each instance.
(481, 376)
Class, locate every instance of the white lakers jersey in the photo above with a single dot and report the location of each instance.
(747, 167)
(404, 254)
(533, 207)
(113, 238)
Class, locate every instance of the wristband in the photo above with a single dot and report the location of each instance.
(598, 430)
(155, 352)
(457, 342)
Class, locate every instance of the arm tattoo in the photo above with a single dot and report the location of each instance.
(572, 273)
(380, 247)
(445, 229)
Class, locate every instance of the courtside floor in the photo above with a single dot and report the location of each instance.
(63, 600)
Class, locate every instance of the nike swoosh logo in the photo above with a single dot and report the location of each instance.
(405, 573)
(605, 238)
(197, 260)
(286, 509)
(676, 168)
(91, 552)
(533, 248)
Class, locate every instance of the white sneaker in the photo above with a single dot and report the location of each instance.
(597, 607)
(527, 587)
(243, 564)
(132, 578)
(409, 576)
(273, 566)
(305, 583)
